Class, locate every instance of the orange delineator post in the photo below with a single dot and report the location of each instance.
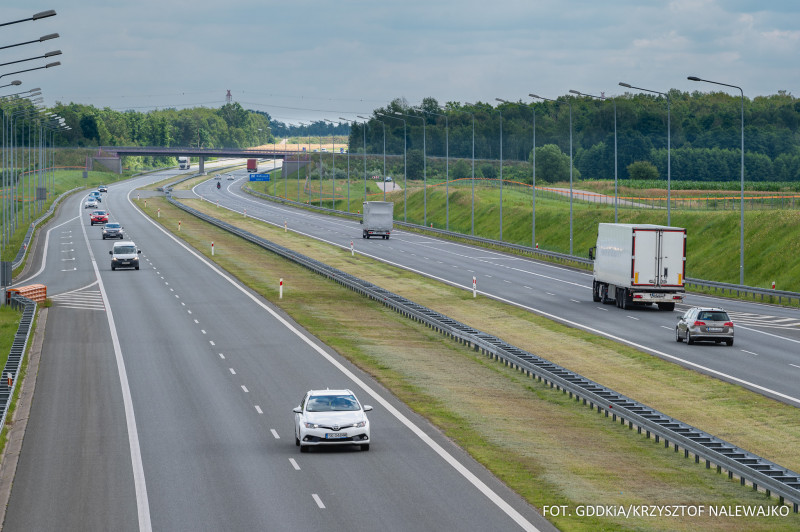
(34, 292)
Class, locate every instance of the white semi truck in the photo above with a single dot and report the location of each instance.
(378, 219)
(639, 264)
(184, 163)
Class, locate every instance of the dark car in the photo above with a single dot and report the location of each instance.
(98, 217)
(704, 323)
(113, 230)
(102, 188)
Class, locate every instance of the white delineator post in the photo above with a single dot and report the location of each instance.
(280, 289)
(159, 213)
(353, 251)
(474, 287)
(179, 226)
(212, 249)
(245, 213)
(284, 226)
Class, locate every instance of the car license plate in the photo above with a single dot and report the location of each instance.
(335, 435)
(656, 295)
(714, 329)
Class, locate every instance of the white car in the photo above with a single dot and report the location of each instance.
(90, 203)
(230, 177)
(331, 417)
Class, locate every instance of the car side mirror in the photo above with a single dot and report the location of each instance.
(297, 410)
(138, 251)
(361, 222)
(110, 252)
(367, 408)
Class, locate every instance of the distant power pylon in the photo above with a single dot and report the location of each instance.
(228, 97)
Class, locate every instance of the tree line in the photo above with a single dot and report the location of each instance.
(705, 135)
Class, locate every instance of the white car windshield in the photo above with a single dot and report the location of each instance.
(332, 403)
(124, 250)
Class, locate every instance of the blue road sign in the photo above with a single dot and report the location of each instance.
(259, 177)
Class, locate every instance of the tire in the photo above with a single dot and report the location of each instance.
(113, 268)
(729, 342)
(296, 441)
(595, 292)
(689, 339)
(365, 447)
(678, 335)
(604, 294)
(624, 299)
(304, 448)
(136, 268)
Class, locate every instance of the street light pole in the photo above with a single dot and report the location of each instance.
(669, 142)
(741, 197)
(405, 150)
(569, 102)
(614, 100)
(348, 162)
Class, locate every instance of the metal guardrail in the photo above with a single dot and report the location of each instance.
(725, 288)
(18, 349)
(738, 462)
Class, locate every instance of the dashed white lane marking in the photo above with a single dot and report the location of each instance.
(574, 300)
(189, 311)
(631, 317)
(244, 389)
(203, 331)
(275, 434)
(258, 409)
(294, 464)
(211, 342)
(665, 327)
(603, 309)
(318, 500)
(749, 352)
(196, 321)
(549, 294)
(233, 371)
(795, 365)
(222, 356)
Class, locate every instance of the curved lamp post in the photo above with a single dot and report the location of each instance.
(741, 199)
(669, 142)
(533, 170)
(570, 162)
(405, 152)
(616, 197)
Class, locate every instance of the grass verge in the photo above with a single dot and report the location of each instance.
(545, 446)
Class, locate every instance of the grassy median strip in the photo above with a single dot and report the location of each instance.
(550, 449)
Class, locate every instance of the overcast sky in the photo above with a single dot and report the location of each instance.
(302, 60)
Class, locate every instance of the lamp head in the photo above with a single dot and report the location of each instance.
(694, 78)
(625, 85)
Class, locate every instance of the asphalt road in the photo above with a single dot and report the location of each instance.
(765, 357)
(164, 401)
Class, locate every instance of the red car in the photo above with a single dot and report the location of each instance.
(98, 217)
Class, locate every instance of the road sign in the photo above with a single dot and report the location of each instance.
(259, 177)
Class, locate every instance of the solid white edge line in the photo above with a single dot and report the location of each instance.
(466, 473)
(44, 256)
(142, 503)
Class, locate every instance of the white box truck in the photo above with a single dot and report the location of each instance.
(639, 264)
(378, 219)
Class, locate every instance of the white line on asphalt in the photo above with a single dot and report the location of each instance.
(187, 310)
(603, 309)
(258, 409)
(665, 327)
(211, 342)
(506, 281)
(318, 500)
(294, 464)
(275, 434)
(203, 331)
(795, 365)
(233, 372)
(171, 289)
(44, 256)
(222, 356)
(438, 449)
(574, 300)
(244, 389)
(196, 321)
(631, 317)
(549, 294)
(140, 486)
(749, 352)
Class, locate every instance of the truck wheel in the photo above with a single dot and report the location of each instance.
(604, 294)
(623, 303)
(595, 292)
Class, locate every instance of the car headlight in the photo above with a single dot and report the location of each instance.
(360, 424)
(310, 425)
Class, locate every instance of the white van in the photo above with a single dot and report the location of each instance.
(125, 255)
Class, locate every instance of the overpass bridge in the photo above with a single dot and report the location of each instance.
(202, 153)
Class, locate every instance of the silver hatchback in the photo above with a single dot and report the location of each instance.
(704, 323)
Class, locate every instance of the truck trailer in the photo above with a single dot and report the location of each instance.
(639, 264)
(252, 165)
(378, 219)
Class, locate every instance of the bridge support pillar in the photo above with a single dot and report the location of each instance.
(202, 165)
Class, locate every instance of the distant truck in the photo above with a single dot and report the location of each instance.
(184, 163)
(378, 219)
(639, 264)
(252, 165)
